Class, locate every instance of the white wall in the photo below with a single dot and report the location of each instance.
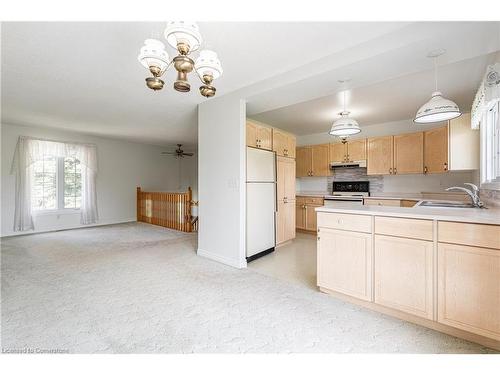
(122, 167)
(221, 185)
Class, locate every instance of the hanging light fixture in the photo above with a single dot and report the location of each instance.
(186, 38)
(344, 126)
(438, 108)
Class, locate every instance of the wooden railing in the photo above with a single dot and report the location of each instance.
(170, 210)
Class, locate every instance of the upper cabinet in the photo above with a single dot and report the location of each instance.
(408, 153)
(380, 155)
(259, 136)
(313, 161)
(464, 144)
(348, 152)
(436, 150)
(283, 143)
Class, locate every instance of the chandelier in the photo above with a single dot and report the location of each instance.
(438, 108)
(186, 38)
(344, 126)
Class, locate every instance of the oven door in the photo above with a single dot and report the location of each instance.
(332, 202)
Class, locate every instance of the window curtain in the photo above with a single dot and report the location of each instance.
(487, 94)
(28, 151)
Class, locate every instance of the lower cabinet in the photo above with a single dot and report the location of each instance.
(469, 288)
(404, 274)
(345, 262)
(285, 221)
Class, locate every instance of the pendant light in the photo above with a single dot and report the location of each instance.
(344, 126)
(438, 108)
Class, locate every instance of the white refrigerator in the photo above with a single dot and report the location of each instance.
(261, 203)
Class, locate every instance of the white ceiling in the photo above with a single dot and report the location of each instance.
(86, 77)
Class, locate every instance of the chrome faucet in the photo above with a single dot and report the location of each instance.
(473, 193)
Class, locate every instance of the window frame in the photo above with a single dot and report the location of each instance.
(60, 210)
(490, 148)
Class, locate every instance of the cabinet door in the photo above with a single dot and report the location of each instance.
(345, 262)
(251, 134)
(300, 215)
(338, 152)
(265, 137)
(280, 178)
(436, 150)
(279, 142)
(461, 137)
(285, 221)
(304, 161)
(469, 289)
(311, 217)
(403, 275)
(291, 146)
(356, 150)
(409, 153)
(320, 160)
(290, 179)
(380, 155)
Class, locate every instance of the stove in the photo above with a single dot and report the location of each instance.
(348, 191)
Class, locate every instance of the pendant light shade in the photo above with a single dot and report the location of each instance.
(438, 108)
(183, 32)
(345, 126)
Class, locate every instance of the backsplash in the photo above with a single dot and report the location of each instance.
(416, 183)
(491, 198)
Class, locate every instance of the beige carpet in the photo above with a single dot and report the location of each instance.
(137, 288)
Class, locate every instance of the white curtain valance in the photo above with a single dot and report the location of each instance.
(487, 94)
(28, 151)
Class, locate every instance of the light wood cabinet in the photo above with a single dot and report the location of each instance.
(338, 152)
(285, 195)
(382, 202)
(283, 143)
(258, 136)
(285, 221)
(436, 150)
(469, 289)
(313, 161)
(345, 262)
(350, 151)
(320, 160)
(464, 144)
(285, 178)
(380, 155)
(304, 161)
(403, 275)
(409, 153)
(306, 216)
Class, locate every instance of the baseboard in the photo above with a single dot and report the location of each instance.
(81, 226)
(227, 261)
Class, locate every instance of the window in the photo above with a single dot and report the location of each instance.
(57, 183)
(490, 148)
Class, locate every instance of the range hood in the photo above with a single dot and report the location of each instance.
(349, 164)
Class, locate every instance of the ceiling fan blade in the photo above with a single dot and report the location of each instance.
(168, 153)
(188, 153)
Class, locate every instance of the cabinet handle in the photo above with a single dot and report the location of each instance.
(445, 166)
(318, 238)
(425, 169)
(390, 170)
(395, 171)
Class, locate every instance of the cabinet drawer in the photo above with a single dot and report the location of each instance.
(356, 223)
(399, 227)
(382, 202)
(481, 235)
(310, 200)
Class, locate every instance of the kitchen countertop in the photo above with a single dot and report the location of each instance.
(315, 194)
(398, 198)
(466, 215)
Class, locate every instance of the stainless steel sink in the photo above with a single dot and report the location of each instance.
(446, 204)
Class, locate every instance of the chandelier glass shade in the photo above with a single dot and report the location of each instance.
(438, 108)
(186, 38)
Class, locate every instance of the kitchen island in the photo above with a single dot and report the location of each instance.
(437, 267)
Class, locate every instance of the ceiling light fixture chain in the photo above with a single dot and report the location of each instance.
(185, 37)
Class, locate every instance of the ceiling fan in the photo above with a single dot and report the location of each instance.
(179, 152)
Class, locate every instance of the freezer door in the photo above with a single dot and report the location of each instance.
(260, 217)
(261, 165)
